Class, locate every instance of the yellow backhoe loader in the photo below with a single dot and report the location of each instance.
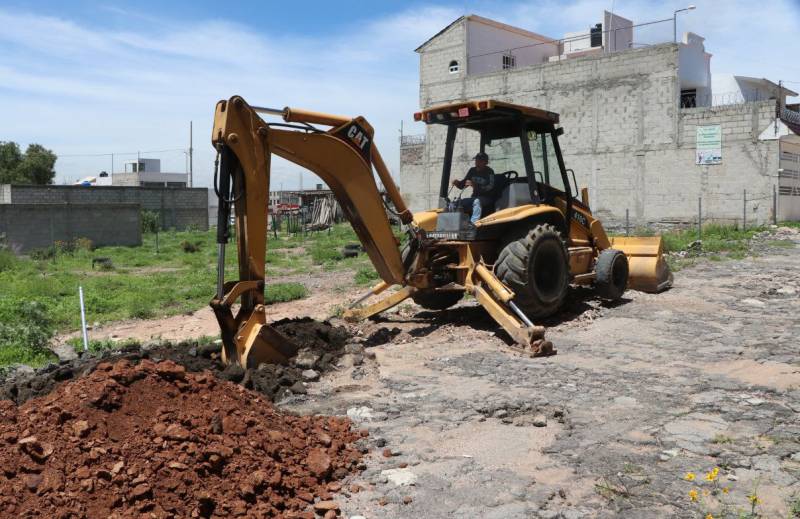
(518, 260)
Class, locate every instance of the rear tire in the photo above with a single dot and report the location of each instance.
(433, 300)
(611, 274)
(536, 268)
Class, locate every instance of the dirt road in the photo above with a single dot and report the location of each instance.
(705, 375)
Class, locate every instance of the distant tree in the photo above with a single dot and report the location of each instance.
(35, 166)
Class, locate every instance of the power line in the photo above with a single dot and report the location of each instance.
(119, 153)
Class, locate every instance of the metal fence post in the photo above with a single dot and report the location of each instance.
(744, 209)
(700, 218)
(627, 224)
(774, 205)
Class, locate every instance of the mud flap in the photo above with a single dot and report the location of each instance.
(648, 271)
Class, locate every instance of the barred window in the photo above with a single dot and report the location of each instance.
(509, 61)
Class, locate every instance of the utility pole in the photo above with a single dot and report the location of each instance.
(778, 106)
(191, 151)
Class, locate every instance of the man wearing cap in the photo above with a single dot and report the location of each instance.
(481, 179)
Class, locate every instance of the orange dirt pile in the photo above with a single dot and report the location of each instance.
(153, 440)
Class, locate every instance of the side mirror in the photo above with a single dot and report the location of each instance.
(560, 131)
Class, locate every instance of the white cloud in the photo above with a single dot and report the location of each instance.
(78, 88)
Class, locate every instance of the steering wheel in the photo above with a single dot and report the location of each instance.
(510, 175)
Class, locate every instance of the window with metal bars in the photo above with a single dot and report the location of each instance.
(509, 61)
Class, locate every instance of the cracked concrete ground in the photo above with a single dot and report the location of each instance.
(704, 375)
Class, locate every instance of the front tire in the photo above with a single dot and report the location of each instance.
(611, 274)
(536, 268)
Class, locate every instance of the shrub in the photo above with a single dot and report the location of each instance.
(366, 276)
(7, 260)
(191, 247)
(83, 244)
(45, 253)
(25, 332)
(282, 292)
(151, 222)
(139, 309)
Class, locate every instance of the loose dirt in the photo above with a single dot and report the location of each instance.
(322, 346)
(130, 439)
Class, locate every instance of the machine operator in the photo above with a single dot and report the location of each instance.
(482, 179)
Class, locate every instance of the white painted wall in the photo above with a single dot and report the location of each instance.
(617, 32)
(694, 67)
(730, 89)
(484, 38)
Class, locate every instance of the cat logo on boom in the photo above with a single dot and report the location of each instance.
(358, 137)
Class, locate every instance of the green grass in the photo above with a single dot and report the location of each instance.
(282, 292)
(715, 238)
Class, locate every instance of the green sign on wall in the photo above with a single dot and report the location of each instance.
(709, 144)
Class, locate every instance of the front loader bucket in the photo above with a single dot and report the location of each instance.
(647, 269)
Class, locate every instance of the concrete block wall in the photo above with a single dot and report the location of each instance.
(179, 208)
(35, 226)
(625, 136)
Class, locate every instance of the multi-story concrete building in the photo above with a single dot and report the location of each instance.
(147, 173)
(627, 137)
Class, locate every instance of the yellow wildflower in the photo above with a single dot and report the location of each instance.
(715, 471)
(711, 476)
(689, 476)
(725, 490)
(754, 499)
(709, 516)
(693, 495)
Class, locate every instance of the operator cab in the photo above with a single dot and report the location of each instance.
(523, 149)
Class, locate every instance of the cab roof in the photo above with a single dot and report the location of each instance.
(496, 119)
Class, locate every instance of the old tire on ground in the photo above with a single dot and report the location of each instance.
(433, 300)
(536, 268)
(611, 274)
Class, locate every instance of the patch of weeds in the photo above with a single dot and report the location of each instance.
(794, 508)
(190, 247)
(366, 276)
(721, 439)
(99, 346)
(7, 260)
(139, 309)
(788, 244)
(283, 292)
(716, 257)
(25, 333)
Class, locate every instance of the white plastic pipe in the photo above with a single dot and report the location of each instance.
(83, 320)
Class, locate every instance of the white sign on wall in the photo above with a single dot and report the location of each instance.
(709, 145)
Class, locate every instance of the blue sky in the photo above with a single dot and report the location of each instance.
(88, 77)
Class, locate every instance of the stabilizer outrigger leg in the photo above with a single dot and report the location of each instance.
(356, 313)
(495, 297)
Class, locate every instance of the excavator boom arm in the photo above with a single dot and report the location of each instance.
(343, 157)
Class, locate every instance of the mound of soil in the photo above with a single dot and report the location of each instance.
(321, 346)
(150, 438)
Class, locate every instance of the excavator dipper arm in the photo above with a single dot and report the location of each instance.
(343, 157)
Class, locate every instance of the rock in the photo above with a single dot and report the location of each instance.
(233, 373)
(81, 428)
(298, 388)
(500, 413)
(142, 491)
(360, 414)
(310, 375)
(753, 302)
(400, 477)
(117, 467)
(32, 481)
(318, 463)
(306, 359)
(354, 348)
(539, 420)
(407, 500)
(755, 401)
(324, 506)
